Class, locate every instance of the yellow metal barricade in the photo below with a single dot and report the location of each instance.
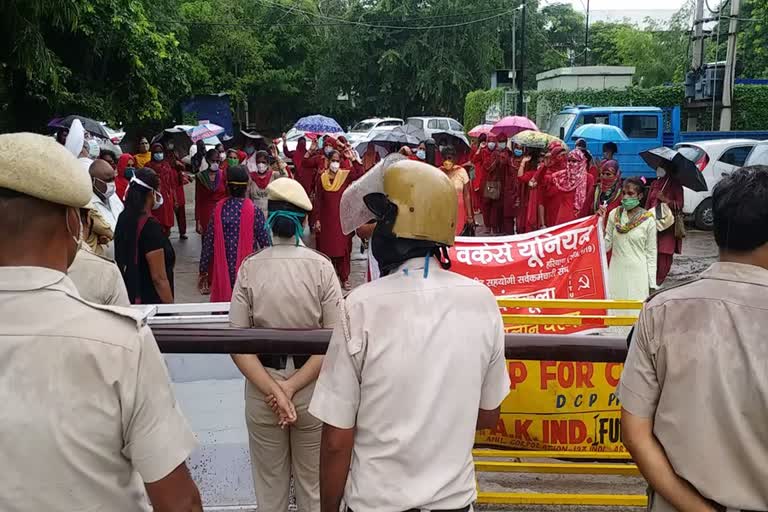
(619, 464)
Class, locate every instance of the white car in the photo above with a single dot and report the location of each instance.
(759, 154)
(363, 130)
(714, 158)
(433, 125)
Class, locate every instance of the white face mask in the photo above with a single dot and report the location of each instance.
(93, 149)
(223, 156)
(110, 190)
(502, 145)
(77, 238)
(158, 200)
(660, 172)
(261, 168)
(491, 146)
(214, 166)
(335, 166)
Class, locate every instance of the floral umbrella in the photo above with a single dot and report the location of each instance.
(533, 139)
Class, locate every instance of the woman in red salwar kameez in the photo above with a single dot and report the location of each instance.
(569, 190)
(495, 164)
(608, 190)
(168, 183)
(666, 189)
(528, 174)
(476, 157)
(510, 193)
(326, 215)
(210, 188)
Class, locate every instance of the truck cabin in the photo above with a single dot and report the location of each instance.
(643, 126)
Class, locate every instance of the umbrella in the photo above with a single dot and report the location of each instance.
(533, 139)
(683, 169)
(203, 131)
(406, 134)
(459, 143)
(600, 133)
(479, 130)
(512, 125)
(318, 124)
(91, 126)
(181, 141)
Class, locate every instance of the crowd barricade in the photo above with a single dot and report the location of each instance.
(203, 329)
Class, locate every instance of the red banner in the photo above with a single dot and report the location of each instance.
(562, 262)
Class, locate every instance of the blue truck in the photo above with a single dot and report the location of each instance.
(646, 128)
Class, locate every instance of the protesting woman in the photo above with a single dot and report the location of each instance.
(126, 166)
(566, 191)
(210, 188)
(286, 286)
(465, 217)
(143, 155)
(666, 189)
(528, 174)
(326, 216)
(297, 157)
(143, 252)
(510, 195)
(608, 193)
(237, 229)
(261, 175)
(631, 236)
(495, 164)
(370, 157)
(168, 184)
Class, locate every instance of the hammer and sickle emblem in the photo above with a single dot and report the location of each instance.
(583, 283)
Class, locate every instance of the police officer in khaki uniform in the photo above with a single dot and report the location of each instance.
(89, 418)
(416, 363)
(284, 286)
(694, 390)
(97, 279)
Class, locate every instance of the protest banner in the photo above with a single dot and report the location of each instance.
(559, 405)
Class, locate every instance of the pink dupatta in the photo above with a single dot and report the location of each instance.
(221, 288)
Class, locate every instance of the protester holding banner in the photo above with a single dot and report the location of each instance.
(567, 191)
(631, 236)
(608, 193)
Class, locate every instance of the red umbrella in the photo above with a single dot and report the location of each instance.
(479, 130)
(512, 125)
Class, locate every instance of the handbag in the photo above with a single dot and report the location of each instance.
(679, 226)
(492, 189)
(664, 217)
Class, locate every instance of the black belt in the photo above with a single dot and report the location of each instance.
(279, 362)
(463, 509)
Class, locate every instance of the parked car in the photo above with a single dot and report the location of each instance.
(758, 155)
(433, 125)
(714, 158)
(363, 130)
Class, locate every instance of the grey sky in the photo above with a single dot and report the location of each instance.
(625, 4)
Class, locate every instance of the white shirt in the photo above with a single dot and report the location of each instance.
(411, 361)
(110, 210)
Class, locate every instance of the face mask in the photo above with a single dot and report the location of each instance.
(328, 151)
(158, 200)
(249, 150)
(518, 153)
(232, 161)
(129, 172)
(502, 145)
(93, 149)
(214, 166)
(335, 166)
(606, 182)
(110, 190)
(421, 154)
(158, 157)
(661, 172)
(491, 146)
(170, 145)
(320, 143)
(261, 168)
(629, 203)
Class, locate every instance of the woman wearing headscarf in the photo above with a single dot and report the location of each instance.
(370, 157)
(143, 155)
(529, 173)
(126, 166)
(495, 164)
(608, 191)
(297, 157)
(478, 159)
(210, 188)
(568, 191)
(180, 179)
(237, 229)
(510, 193)
(666, 189)
(143, 252)
(286, 286)
(261, 175)
(458, 176)
(168, 183)
(326, 215)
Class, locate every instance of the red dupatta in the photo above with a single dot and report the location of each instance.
(221, 287)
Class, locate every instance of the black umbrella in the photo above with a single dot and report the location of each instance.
(406, 134)
(181, 141)
(680, 167)
(94, 127)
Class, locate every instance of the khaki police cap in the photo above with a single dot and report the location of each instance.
(426, 201)
(290, 191)
(40, 167)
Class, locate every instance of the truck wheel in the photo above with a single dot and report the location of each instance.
(703, 217)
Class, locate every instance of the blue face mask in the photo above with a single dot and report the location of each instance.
(421, 154)
(158, 157)
(518, 152)
(249, 150)
(297, 218)
(129, 172)
(320, 143)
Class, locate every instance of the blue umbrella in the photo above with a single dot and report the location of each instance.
(318, 124)
(600, 133)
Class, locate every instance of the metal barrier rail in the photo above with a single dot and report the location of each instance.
(570, 319)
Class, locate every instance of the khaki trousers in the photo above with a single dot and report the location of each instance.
(276, 454)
